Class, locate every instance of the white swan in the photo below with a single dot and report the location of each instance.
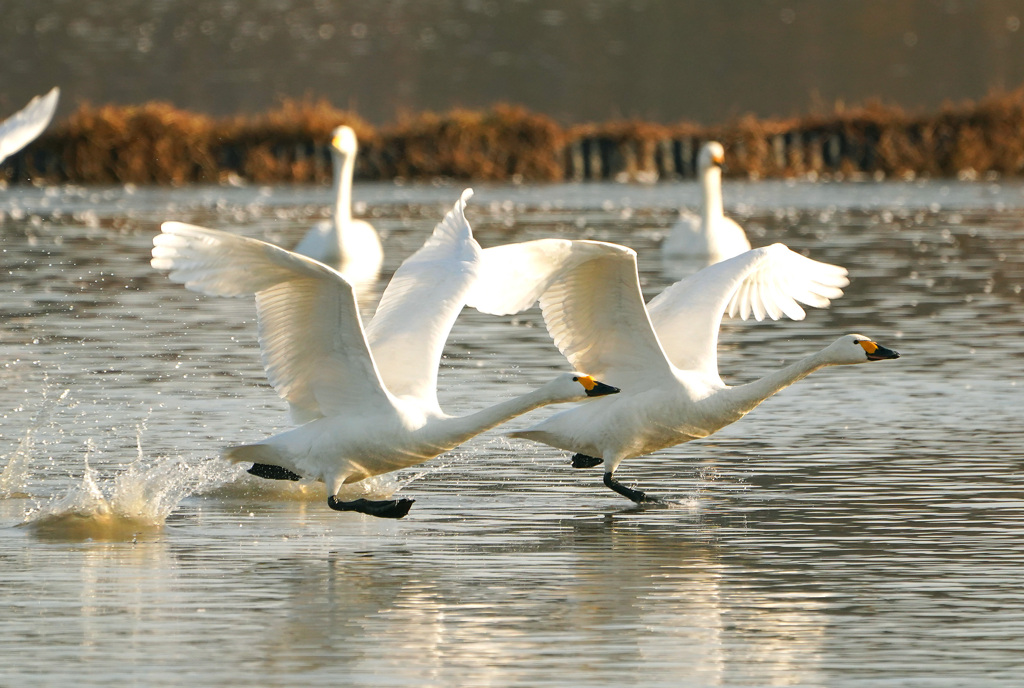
(712, 236)
(350, 246)
(663, 356)
(366, 401)
(22, 128)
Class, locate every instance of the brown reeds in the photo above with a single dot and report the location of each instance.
(505, 143)
(289, 143)
(155, 143)
(151, 143)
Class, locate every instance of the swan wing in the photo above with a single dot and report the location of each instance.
(310, 333)
(732, 239)
(771, 281)
(590, 296)
(685, 237)
(514, 276)
(319, 242)
(420, 305)
(21, 128)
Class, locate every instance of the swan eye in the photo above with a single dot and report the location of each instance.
(575, 379)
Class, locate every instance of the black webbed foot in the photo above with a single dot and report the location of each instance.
(635, 495)
(584, 461)
(388, 508)
(263, 470)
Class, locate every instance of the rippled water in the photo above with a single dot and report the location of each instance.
(861, 528)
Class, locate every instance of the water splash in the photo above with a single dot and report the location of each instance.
(15, 475)
(134, 502)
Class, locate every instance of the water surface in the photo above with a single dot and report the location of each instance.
(860, 528)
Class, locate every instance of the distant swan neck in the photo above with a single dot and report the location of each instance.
(711, 185)
(344, 167)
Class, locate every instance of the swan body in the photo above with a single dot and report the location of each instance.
(350, 246)
(710, 237)
(25, 125)
(365, 400)
(663, 355)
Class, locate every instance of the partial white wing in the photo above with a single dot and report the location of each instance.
(319, 243)
(22, 128)
(310, 334)
(731, 239)
(590, 295)
(685, 238)
(513, 277)
(770, 281)
(420, 305)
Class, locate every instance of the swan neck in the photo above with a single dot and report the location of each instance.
(462, 428)
(747, 397)
(711, 185)
(344, 166)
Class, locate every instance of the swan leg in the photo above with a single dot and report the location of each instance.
(387, 508)
(265, 470)
(584, 461)
(636, 495)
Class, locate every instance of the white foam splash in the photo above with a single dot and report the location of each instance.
(15, 474)
(135, 501)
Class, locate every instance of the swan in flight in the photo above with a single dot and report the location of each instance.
(350, 246)
(22, 128)
(365, 400)
(711, 237)
(663, 355)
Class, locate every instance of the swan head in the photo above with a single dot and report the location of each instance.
(344, 140)
(856, 348)
(576, 387)
(712, 154)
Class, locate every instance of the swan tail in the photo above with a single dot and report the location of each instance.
(541, 436)
(256, 453)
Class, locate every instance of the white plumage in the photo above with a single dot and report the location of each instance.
(711, 236)
(366, 401)
(25, 125)
(350, 246)
(663, 356)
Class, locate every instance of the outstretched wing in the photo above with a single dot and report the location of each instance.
(22, 128)
(590, 295)
(420, 305)
(771, 281)
(310, 333)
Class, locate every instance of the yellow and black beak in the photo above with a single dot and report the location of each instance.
(877, 352)
(595, 388)
(718, 160)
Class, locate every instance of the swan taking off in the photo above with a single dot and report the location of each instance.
(22, 128)
(366, 400)
(662, 356)
(712, 237)
(350, 246)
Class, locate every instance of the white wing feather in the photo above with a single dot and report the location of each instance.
(21, 128)
(310, 333)
(765, 282)
(420, 305)
(513, 277)
(590, 295)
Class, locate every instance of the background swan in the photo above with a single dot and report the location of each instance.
(366, 400)
(350, 246)
(22, 128)
(663, 356)
(710, 237)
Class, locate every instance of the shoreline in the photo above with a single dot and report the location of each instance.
(155, 143)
